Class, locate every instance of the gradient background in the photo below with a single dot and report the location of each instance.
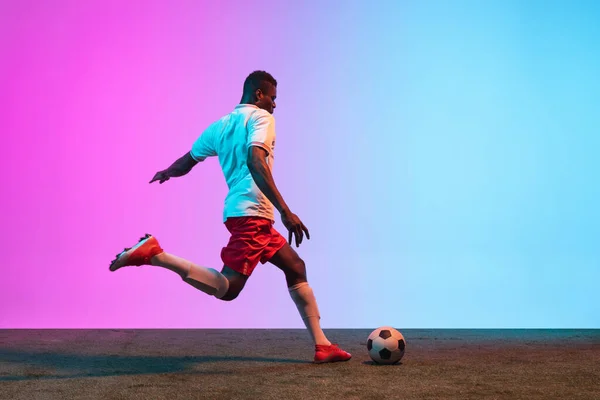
(443, 154)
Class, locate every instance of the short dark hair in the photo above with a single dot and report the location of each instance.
(257, 80)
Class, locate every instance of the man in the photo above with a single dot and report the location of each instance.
(244, 142)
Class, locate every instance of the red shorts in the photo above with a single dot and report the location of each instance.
(253, 239)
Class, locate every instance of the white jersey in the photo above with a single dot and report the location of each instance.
(229, 138)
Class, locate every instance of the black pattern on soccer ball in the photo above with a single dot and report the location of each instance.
(369, 344)
(401, 344)
(385, 354)
(384, 334)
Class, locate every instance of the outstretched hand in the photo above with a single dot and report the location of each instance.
(161, 176)
(295, 227)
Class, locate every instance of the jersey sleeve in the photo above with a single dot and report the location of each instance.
(204, 146)
(261, 130)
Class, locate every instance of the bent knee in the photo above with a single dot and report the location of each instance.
(300, 267)
(231, 294)
(297, 274)
(299, 278)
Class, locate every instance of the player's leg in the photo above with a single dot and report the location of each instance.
(148, 252)
(242, 253)
(207, 280)
(236, 280)
(239, 257)
(294, 269)
(302, 294)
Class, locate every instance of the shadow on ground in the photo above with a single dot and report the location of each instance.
(373, 363)
(78, 366)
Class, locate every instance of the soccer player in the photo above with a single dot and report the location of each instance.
(244, 141)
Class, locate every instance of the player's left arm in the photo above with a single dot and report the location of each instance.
(180, 167)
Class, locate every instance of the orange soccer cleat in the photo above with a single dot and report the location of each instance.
(140, 254)
(327, 354)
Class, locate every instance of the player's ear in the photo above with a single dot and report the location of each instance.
(259, 94)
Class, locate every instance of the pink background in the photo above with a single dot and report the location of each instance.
(98, 96)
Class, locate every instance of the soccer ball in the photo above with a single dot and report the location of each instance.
(386, 345)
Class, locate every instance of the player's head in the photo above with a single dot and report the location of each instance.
(260, 89)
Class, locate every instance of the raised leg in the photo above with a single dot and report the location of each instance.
(237, 282)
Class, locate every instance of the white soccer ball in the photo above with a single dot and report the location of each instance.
(386, 345)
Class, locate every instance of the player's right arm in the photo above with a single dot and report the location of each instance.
(257, 165)
(180, 167)
(202, 148)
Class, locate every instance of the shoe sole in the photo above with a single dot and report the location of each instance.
(332, 361)
(122, 258)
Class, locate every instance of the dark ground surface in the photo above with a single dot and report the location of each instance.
(276, 364)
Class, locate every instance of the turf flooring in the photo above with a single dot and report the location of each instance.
(276, 364)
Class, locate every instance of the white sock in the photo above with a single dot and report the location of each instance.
(305, 300)
(208, 280)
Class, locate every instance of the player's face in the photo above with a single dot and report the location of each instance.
(266, 99)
